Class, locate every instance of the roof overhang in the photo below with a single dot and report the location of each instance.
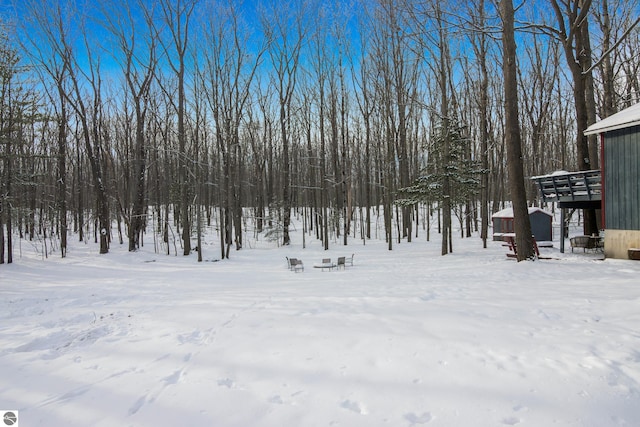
(624, 119)
(508, 212)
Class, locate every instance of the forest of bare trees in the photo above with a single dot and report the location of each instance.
(148, 122)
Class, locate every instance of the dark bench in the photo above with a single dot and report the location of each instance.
(295, 264)
(326, 264)
(349, 260)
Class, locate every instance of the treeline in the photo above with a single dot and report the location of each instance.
(165, 116)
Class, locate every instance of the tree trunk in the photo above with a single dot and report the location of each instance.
(446, 148)
(578, 55)
(62, 176)
(484, 132)
(522, 226)
(608, 78)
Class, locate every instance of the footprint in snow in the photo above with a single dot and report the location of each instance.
(136, 406)
(226, 382)
(197, 337)
(511, 421)
(173, 378)
(418, 419)
(354, 406)
(276, 400)
(155, 393)
(428, 297)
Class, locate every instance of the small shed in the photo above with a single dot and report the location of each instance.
(620, 152)
(541, 224)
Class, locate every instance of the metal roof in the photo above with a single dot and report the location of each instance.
(621, 120)
(508, 212)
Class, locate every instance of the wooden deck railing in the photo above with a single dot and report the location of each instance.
(570, 186)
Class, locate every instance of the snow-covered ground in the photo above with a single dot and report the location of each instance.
(402, 338)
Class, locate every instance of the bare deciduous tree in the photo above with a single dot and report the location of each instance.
(286, 30)
(176, 18)
(228, 80)
(138, 58)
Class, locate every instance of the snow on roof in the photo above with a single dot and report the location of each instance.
(508, 212)
(623, 119)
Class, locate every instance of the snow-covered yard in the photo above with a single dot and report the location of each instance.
(403, 338)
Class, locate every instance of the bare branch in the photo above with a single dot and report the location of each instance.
(613, 47)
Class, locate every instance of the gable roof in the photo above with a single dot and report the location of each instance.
(508, 212)
(621, 120)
